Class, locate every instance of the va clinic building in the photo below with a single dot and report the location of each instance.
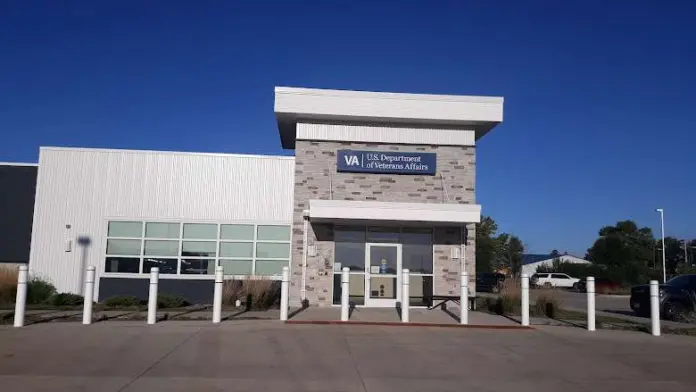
(379, 182)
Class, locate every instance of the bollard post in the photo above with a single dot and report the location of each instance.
(405, 295)
(89, 295)
(655, 307)
(21, 300)
(525, 300)
(284, 294)
(590, 287)
(152, 299)
(345, 287)
(464, 298)
(217, 294)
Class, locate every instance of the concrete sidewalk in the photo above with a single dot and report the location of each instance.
(271, 356)
(390, 315)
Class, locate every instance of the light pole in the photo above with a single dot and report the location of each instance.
(662, 223)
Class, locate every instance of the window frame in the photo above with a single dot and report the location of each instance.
(180, 241)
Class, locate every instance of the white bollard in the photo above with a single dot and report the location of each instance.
(285, 294)
(464, 298)
(525, 299)
(405, 295)
(345, 287)
(590, 287)
(152, 299)
(89, 295)
(21, 301)
(655, 307)
(217, 294)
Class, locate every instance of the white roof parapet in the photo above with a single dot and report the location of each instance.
(293, 105)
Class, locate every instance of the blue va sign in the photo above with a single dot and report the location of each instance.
(351, 161)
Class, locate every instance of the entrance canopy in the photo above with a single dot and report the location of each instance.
(337, 210)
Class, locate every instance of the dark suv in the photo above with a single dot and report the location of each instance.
(489, 281)
(677, 298)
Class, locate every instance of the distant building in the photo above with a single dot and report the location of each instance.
(531, 262)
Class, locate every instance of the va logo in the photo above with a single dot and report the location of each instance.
(351, 160)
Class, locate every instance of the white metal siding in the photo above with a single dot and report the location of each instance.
(86, 187)
(385, 134)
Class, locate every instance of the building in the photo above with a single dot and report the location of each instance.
(18, 184)
(379, 182)
(530, 262)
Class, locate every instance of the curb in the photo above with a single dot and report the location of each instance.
(397, 324)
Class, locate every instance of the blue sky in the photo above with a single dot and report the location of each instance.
(599, 95)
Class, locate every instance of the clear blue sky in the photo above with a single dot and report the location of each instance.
(599, 96)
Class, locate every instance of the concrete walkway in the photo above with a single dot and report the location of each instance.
(390, 315)
(271, 356)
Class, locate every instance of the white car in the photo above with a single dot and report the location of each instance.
(553, 280)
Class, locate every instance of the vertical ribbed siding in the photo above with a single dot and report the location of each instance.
(381, 133)
(84, 188)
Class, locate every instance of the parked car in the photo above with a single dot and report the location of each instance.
(677, 297)
(602, 285)
(553, 280)
(489, 282)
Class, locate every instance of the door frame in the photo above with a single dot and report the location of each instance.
(378, 302)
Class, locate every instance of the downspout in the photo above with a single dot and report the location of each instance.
(462, 250)
(303, 289)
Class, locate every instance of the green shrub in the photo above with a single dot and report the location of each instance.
(66, 299)
(122, 301)
(39, 291)
(547, 305)
(165, 301)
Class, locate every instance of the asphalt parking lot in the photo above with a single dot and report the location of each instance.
(269, 356)
(578, 301)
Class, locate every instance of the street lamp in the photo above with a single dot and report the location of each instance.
(662, 223)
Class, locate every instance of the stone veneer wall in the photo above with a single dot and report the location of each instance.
(316, 178)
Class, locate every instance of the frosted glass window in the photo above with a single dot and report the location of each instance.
(272, 250)
(161, 248)
(123, 247)
(237, 232)
(236, 249)
(125, 229)
(273, 233)
(200, 231)
(162, 230)
(197, 248)
(270, 267)
(236, 267)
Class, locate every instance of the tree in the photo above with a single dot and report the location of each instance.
(626, 251)
(485, 244)
(500, 253)
(509, 253)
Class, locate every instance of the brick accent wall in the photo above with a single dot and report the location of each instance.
(316, 178)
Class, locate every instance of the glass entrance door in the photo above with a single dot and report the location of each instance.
(382, 274)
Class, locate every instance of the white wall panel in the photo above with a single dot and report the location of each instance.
(85, 188)
(379, 133)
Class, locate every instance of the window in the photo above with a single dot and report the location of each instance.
(559, 276)
(162, 230)
(417, 256)
(188, 248)
(273, 233)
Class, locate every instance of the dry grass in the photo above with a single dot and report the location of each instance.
(8, 283)
(257, 293)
